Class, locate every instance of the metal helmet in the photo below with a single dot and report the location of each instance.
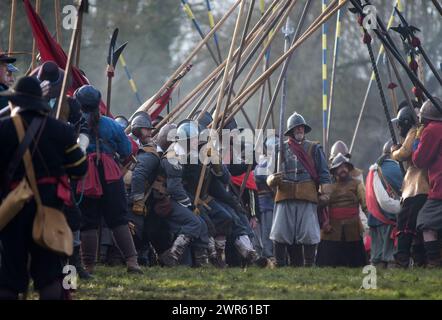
(430, 112)
(89, 98)
(141, 121)
(338, 161)
(337, 148)
(187, 129)
(296, 120)
(404, 118)
(387, 147)
(162, 138)
(122, 121)
(205, 120)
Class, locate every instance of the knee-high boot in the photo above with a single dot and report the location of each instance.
(125, 242)
(296, 255)
(89, 245)
(309, 255)
(280, 254)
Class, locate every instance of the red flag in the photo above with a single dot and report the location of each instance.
(162, 102)
(250, 183)
(50, 50)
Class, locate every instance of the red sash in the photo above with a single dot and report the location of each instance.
(372, 203)
(344, 213)
(250, 183)
(63, 187)
(305, 159)
(91, 185)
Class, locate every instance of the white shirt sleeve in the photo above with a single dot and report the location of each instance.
(386, 203)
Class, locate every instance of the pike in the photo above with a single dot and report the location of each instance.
(367, 41)
(333, 73)
(112, 59)
(287, 31)
(34, 46)
(146, 105)
(212, 24)
(251, 38)
(238, 57)
(286, 62)
(389, 44)
(370, 82)
(282, 16)
(189, 12)
(391, 86)
(219, 100)
(270, 23)
(82, 7)
(408, 33)
(12, 26)
(57, 13)
(245, 95)
(438, 6)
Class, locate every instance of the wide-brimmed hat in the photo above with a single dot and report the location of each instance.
(6, 59)
(27, 94)
(49, 71)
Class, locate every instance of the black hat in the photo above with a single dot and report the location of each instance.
(6, 59)
(89, 98)
(50, 71)
(27, 95)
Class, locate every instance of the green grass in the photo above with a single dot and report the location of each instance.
(254, 283)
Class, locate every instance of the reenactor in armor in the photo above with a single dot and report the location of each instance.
(302, 184)
(172, 201)
(340, 147)
(415, 190)
(142, 178)
(341, 238)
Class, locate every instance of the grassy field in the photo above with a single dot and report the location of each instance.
(254, 283)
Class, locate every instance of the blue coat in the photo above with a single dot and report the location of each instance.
(112, 138)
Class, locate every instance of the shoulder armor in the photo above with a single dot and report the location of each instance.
(151, 149)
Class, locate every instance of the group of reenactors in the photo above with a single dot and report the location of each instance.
(146, 201)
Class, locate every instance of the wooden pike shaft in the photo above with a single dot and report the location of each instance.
(220, 97)
(391, 89)
(251, 38)
(149, 103)
(78, 41)
(34, 46)
(286, 12)
(401, 84)
(12, 26)
(243, 97)
(57, 12)
(262, 36)
(67, 72)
